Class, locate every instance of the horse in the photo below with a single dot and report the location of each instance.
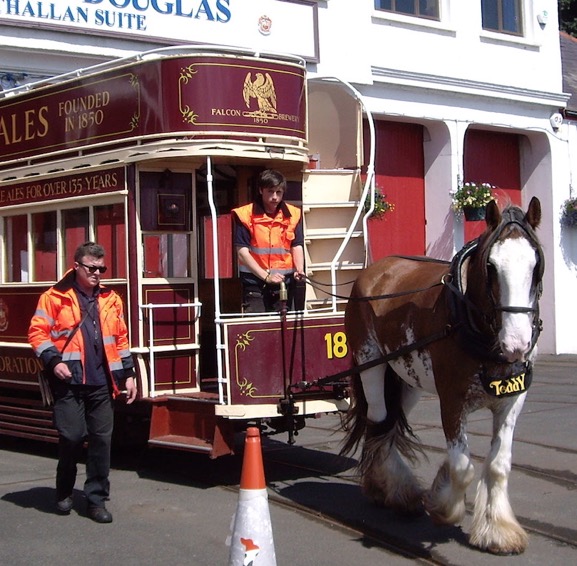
(465, 330)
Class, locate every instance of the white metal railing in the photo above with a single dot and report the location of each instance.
(151, 349)
(369, 185)
(158, 53)
(216, 281)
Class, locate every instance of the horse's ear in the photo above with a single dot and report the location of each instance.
(492, 214)
(533, 216)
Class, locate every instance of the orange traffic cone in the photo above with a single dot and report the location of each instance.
(251, 542)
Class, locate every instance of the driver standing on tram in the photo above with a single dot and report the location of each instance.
(268, 237)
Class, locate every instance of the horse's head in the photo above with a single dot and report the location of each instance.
(511, 260)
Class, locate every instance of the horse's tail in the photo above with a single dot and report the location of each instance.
(356, 425)
(355, 421)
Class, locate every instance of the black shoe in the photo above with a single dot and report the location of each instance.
(64, 506)
(100, 514)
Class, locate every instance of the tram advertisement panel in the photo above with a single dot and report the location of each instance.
(310, 348)
(179, 96)
(64, 186)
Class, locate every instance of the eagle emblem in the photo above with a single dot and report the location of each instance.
(262, 88)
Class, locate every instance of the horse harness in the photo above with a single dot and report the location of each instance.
(499, 377)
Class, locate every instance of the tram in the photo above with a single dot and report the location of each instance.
(147, 155)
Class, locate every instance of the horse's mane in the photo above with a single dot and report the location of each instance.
(509, 220)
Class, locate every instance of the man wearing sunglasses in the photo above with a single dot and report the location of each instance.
(79, 333)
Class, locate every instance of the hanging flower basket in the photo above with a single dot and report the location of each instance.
(382, 205)
(569, 213)
(473, 213)
(472, 199)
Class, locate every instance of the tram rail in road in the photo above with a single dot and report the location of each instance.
(178, 507)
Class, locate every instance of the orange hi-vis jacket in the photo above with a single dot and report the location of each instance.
(271, 237)
(58, 312)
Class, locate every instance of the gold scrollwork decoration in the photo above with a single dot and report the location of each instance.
(134, 121)
(246, 387)
(186, 73)
(135, 84)
(134, 81)
(188, 115)
(243, 340)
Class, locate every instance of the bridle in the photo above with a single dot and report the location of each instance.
(512, 222)
(465, 312)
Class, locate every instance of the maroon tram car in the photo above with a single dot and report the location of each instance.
(147, 156)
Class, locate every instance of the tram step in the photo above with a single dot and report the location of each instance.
(181, 442)
(185, 423)
(26, 422)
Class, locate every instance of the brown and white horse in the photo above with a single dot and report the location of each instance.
(465, 331)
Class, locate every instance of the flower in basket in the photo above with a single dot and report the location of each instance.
(382, 205)
(569, 212)
(473, 195)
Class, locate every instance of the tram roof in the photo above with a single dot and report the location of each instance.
(151, 55)
(194, 100)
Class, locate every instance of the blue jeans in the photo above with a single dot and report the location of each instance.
(83, 413)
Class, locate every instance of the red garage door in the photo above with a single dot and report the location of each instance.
(492, 157)
(399, 168)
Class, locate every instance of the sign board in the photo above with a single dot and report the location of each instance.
(287, 26)
(63, 186)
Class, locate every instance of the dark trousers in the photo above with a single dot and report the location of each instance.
(266, 298)
(83, 413)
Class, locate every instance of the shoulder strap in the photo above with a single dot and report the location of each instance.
(75, 329)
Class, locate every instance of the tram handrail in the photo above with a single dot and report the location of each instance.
(216, 281)
(369, 183)
(150, 307)
(150, 54)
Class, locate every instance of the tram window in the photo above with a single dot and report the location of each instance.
(44, 242)
(75, 225)
(166, 255)
(16, 249)
(111, 233)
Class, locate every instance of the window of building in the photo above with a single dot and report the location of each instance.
(420, 8)
(502, 16)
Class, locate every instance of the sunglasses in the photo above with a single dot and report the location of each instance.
(93, 268)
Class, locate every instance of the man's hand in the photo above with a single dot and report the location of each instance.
(62, 372)
(131, 390)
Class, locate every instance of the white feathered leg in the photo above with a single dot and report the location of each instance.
(445, 501)
(386, 479)
(495, 527)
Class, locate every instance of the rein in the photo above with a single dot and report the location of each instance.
(316, 285)
(403, 350)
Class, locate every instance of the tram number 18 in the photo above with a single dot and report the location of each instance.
(336, 345)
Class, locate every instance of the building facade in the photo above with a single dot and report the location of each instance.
(460, 90)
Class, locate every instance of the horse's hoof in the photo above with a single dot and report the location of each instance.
(498, 551)
(511, 546)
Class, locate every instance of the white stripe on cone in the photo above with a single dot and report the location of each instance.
(252, 542)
